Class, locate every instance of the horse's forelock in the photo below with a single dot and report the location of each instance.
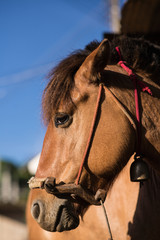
(61, 81)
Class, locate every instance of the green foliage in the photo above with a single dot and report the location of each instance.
(20, 174)
(23, 176)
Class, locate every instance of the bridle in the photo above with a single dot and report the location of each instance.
(49, 183)
(75, 189)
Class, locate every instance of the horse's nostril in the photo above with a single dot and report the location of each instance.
(36, 210)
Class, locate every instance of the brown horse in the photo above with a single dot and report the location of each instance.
(69, 106)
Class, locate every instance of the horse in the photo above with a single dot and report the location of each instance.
(99, 122)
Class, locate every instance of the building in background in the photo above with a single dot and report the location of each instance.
(33, 164)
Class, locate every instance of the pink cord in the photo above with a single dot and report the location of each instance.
(143, 87)
(90, 134)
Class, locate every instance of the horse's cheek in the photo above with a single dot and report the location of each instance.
(113, 152)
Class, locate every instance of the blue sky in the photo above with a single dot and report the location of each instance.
(34, 36)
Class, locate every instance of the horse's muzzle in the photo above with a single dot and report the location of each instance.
(55, 217)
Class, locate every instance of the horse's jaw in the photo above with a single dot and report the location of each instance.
(57, 216)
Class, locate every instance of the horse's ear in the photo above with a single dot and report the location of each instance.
(95, 63)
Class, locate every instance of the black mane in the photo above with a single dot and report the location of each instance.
(138, 53)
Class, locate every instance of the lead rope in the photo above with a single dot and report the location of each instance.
(107, 221)
(87, 150)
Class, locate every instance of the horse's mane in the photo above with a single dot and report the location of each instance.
(138, 53)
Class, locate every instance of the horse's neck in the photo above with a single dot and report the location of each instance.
(147, 210)
(151, 125)
(137, 206)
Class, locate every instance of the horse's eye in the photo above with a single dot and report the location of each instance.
(61, 119)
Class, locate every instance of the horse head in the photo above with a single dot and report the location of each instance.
(69, 107)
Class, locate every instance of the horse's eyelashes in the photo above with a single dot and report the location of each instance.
(62, 119)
